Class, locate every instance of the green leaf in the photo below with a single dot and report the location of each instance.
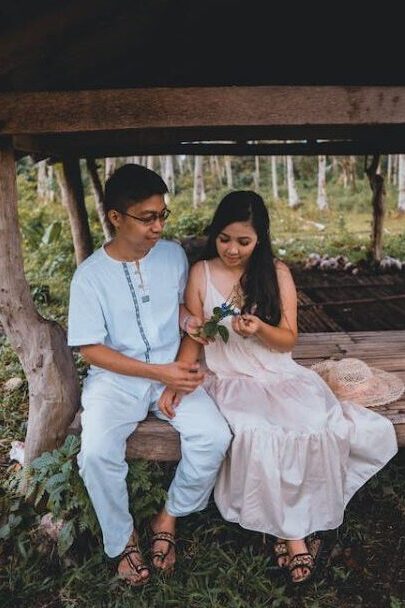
(65, 538)
(210, 329)
(52, 233)
(223, 332)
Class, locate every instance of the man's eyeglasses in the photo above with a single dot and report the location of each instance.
(151, 218)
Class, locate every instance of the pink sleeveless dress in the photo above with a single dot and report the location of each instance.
(298, 454)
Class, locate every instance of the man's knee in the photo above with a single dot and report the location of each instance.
(217, 435)
(97, 451)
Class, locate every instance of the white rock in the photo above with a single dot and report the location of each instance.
(12, 384)
(17, 451)
(50, 526)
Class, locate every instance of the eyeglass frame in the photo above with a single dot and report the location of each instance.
(162, 217)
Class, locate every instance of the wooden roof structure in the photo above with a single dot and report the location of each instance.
(88, 78)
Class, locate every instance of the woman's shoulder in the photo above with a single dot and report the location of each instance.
(281, 267)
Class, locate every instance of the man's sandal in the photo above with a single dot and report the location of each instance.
(134, 568)
(161, 555)
(280, 551)
(308, 560)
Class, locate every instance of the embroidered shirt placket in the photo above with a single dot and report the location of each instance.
(137, 312)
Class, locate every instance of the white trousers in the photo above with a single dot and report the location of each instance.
(110, 415)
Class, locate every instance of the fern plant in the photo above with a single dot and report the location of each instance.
(52, 483)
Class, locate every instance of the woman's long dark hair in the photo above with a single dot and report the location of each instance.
(259, 281)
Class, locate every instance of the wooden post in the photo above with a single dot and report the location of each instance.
(377, 186)
(70, 183)
(40, 344)
(98, 197)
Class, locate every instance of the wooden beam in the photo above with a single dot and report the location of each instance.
(293, 106)
(60, 145)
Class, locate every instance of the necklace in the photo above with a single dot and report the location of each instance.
(236, 297)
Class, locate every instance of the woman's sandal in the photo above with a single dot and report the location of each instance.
(280, 551)
(161, 555)
(134, 568)
(308, 560)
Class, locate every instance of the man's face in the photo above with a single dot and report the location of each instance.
(140, 226)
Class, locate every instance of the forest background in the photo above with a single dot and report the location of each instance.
(317, 205)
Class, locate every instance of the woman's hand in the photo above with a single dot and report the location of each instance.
(246, 325)
(192, 326)
(168, 401)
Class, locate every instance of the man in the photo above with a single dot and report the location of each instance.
(124, 316)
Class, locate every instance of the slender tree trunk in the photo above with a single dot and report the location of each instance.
(98, 197)
(322, 200)
(180, 163)
(228, 169)
(256, 174)
(169, 174)
(274, 183)
(70, 183)
(110, 166)
(395, 167)
(42, 180)
(150, 162)
(401, 183)
(217, 170)
(293, 198)
(198, 191)
(377, 186)
(389, 168)
(54, 391)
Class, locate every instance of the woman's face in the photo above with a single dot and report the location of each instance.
(235, 244)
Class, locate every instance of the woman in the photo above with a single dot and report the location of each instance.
(298, 454)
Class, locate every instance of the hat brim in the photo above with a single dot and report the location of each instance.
(382, 387)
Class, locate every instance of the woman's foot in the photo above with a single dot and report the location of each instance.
(163, 527)
(297, 548)
(131, 566)
(281, 552)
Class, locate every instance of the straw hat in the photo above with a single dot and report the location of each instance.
(353, 380)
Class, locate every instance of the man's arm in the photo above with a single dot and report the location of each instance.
(179, 375)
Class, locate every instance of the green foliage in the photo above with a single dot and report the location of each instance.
(52, 484)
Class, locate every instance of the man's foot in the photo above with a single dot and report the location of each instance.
(131, 566)
(281, 552)
(163, 541)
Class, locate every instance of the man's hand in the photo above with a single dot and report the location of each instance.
(168, 401)
(180, 376)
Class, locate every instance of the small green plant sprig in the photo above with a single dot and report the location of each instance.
(212, 327)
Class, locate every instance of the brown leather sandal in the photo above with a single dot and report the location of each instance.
(161, 555)
(135, 568)
(308, 560)
(280, 550)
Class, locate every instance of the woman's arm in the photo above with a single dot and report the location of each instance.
(283, 337)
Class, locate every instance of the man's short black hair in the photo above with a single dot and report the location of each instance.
(131, 184)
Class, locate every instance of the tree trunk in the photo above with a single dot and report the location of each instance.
(377, 186)
(256, 174)
(98, 197)
(198, 191)
(70, 183)
(228, 169)
(293, 198)
(322, 200)
(389, 168)
(274, 184)
(110, 166)
(169, 174)
(42, 180)
(150, 162)
(54, 391)
(401, 183)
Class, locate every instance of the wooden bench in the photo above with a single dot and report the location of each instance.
(157, 440)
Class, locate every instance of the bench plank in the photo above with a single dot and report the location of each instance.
(157, 440)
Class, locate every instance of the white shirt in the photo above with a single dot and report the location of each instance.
(134, 313)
